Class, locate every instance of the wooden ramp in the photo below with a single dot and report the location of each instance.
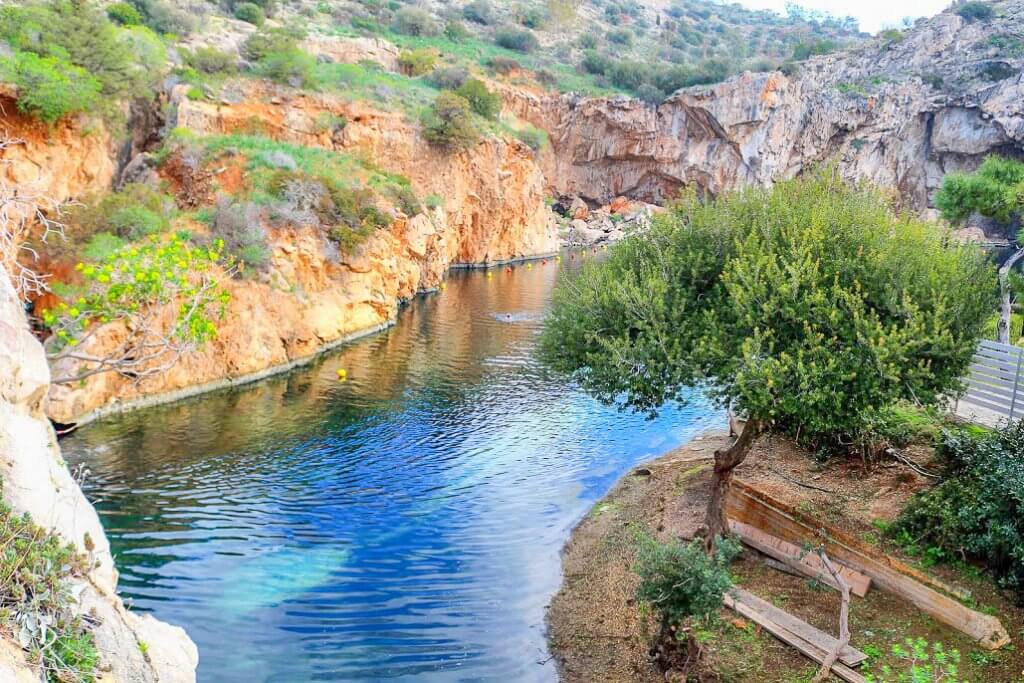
(807, 563)
(754, 508)
(811, 642)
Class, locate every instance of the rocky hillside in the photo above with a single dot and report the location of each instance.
(900, 110)
(133, 648)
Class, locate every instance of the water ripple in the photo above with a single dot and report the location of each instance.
(405, 524)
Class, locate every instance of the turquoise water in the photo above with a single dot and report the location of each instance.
(405, 524)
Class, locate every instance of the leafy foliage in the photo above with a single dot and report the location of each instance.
(449, 122)
(996, 190)
(924, 664)
(534, 137)
(803, 305)
(136, 278)
(417, 62)
(413, 21)
(976, 512)
(479, 11)
(37, 603)
(481, 100)
(124, 13)
(681, 581)
(293, 67)
(250, 13)
(268, 41)
(210, 60)
(50, 88)
(515, 38)
(63, 52)
(237, 226)
(137, 211)
(975, 11)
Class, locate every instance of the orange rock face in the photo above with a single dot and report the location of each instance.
(492, 209)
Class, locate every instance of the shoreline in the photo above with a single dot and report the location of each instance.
(118, 406)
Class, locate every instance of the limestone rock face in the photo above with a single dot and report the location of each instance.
(900, 114)
(37, 481)
(492, 210)
(353, 50)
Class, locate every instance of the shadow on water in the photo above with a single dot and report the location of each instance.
(403, 524)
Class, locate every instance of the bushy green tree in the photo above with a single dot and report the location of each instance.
(481, 100)
(995, 190)
(133, 285)
(802, 307)
(515, 38)
(250, 12)
(413, 21)
(124, 13)
(417, 62)
(977, 511)
(449, 122)
(680, 581)
(49, 88)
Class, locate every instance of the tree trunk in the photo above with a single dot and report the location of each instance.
(1007, 306)
(726, 460)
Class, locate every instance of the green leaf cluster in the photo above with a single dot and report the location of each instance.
(681, 581)
(995, 190)
(481, 100)
(977, 511)
(159, 270)
(69, 57)
(803, 306)
(36, 602)
(924, 663)
(449, 122)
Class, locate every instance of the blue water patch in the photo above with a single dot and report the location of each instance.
(403, 524)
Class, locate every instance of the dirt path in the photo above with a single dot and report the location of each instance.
(598, 632)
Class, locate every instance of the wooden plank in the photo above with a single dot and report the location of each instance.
(740, 605)
(808, 563)
(849, 656)
(750, 506)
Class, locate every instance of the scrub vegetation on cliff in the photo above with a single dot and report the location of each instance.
(37, 600)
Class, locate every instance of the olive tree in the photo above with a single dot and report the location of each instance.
(802, 307)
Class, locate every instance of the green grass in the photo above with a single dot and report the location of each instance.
(371, 83)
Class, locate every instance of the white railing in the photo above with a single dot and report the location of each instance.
(996, 379)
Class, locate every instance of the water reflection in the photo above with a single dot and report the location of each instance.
(403, 524)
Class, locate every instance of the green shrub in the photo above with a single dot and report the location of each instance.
(806, 49)
(518, 39)
(456, 32)
(417, 62)
(621, 36)
(588, 41)
(975, 11)
(124, 14)
(628, 75)
(210, 60)
(268, 41)
(995, 190)
(293, 67)
(902, 424)
(250, 13)
(433, 201)
(924, 664)
(479, 12)
(101, 245)
(164, 16)
(595, 62)
(137, 211)
(50, 88)
(891, 36)
(504, 65)
(449, 122)
(531, 17)
(651, 94)
(413, 21)
(449, 77)
(534, 138)
(239, 225)
(481, 100)
(977, 511)
(36, 600)
(124, 61)
(681, 581)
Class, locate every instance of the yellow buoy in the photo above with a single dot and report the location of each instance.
(441, 286)
(489, 275)
(342, 374)
(529, 266)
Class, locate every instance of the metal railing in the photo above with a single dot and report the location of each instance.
(996, 379)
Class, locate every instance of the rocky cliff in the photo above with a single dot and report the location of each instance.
(134, 648)
(492, 209)
(901, 111)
